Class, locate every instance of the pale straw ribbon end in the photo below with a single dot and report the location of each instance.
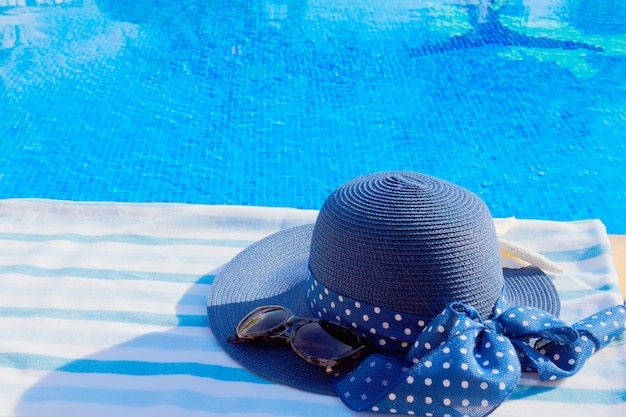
(529, 256)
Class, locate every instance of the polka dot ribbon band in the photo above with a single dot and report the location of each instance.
(383, 328)
(461, 365)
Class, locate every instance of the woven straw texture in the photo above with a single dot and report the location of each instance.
(408, 242)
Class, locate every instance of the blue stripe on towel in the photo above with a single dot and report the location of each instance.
(134, 368)
(571, 295)
(126, 367)
(36, 271)
(130, 239)
(578, 254)
(139, 317)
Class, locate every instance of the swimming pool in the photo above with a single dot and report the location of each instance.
(278, 102)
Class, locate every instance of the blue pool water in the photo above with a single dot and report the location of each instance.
(277, 102)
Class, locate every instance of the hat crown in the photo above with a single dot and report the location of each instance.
(407, 242)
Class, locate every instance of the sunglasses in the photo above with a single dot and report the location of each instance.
(317, 341)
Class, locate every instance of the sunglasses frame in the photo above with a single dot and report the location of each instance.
(286, 330)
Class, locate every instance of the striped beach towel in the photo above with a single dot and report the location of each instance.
(102, 313)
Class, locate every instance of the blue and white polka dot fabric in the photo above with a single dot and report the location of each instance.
(458, 364)
(556, 359)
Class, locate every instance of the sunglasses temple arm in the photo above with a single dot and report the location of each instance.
(234, 339)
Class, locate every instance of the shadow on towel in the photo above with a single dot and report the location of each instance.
(158, 373)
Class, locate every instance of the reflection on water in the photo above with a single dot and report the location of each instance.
(14, 20)
(487, 29)
(276, 102)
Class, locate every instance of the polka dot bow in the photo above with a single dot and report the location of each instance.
(463, 366)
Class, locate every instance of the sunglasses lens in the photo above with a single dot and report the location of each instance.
(325, 341)
(262, 321)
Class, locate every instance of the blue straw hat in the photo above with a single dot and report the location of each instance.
(388, 252)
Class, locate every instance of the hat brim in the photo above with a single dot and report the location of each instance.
(273, 271)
